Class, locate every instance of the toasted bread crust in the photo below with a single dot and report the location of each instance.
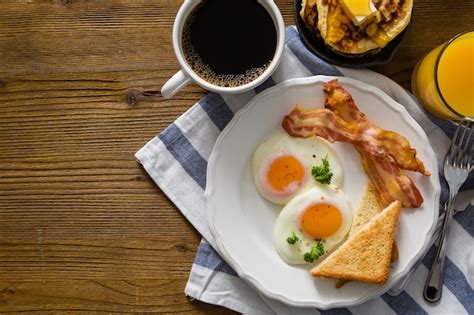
(379, 279)
(394, 252)
(369, 206)
(366, 255)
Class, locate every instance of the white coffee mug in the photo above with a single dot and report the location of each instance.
(184, 76)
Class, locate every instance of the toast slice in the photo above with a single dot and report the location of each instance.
(366, 255)
(370, 205)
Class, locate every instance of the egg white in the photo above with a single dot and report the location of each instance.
(288, 222)
(310, 151)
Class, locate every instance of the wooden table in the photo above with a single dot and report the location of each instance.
(82, 226)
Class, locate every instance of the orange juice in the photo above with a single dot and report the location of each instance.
(444, 78)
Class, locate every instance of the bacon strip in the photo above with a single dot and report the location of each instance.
(390, 181)
(384, 153)
(339, 101)
(372, 139)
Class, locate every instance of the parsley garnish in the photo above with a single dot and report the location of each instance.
(292, 239)
(315, 252)
(322, 173)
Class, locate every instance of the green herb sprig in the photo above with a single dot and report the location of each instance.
(292, 239)
(315, 252)
(322, 173)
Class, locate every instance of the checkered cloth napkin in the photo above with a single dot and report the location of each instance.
(176, 159)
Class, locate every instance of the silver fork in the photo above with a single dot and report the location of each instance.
(402, 284)
(457, 166)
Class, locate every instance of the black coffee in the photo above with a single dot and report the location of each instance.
(229, 42)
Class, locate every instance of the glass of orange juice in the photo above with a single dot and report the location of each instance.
(444, 78)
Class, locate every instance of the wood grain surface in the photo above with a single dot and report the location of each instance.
(82, 226)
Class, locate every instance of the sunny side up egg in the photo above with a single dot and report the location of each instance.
(317, 219)
(282, 166)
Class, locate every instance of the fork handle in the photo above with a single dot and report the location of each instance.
(434, 283)
(402, 284)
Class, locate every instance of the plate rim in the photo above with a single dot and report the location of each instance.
(252, 281)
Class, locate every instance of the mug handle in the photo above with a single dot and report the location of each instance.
(174, 84)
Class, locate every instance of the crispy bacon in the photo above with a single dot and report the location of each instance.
(391, 182)
(342, 104)
(384, 153)
(305, 123)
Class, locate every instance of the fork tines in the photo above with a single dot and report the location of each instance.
(461, 150)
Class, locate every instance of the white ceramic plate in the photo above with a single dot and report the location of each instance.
(242, 221)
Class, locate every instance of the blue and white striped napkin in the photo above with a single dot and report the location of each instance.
(177, 160)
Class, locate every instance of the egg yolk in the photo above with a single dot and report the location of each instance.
(320, 220)
(285, 172)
